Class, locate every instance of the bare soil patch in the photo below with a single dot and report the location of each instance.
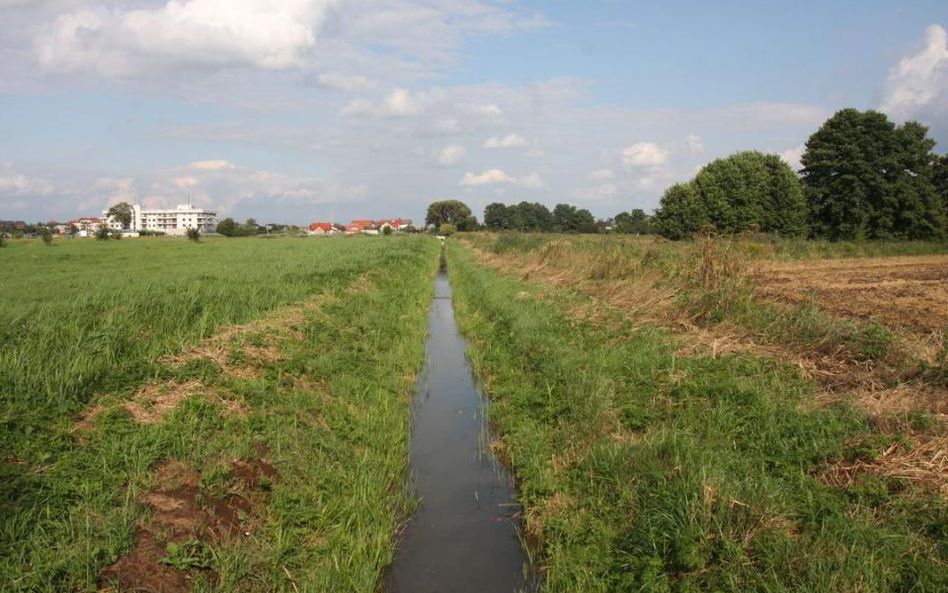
(186, 509)
(902, 293)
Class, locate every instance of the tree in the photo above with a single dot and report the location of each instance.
(194, 235)
(941, 180)
(102, 233)
(387, 230)
(496, 217)
(121, 212)
(447, 229)
(47, 236)
(865, 177)
(3, 240)
(747, 190)
(227, 227)
(249, 228)
(632, 223)
(682, 212)
(451, 212)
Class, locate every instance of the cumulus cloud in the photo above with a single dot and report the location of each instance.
(16, 184)
(508, 141)
(398, 103)
(918, 85)
(694, 143)
(112, 190)
(498, 176)
(192, 33)
(342, 82)
(644, 155)
(596, 193)
(792, 156)
(450, 155)
(601, 175)
(212, 165)
(487, 110)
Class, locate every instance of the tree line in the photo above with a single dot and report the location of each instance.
(862, 177)
(532, 217)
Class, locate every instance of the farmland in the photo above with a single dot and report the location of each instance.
(682, 420)
(720, 414)
(227, 415)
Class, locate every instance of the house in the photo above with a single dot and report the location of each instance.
(354, 229)
(322, 228)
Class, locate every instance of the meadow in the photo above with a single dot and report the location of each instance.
(674, 427)
(226, 415)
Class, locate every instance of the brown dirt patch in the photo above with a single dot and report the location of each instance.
(902, 293)
(183, 509)
(154, 401)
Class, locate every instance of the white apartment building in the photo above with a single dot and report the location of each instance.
(170, 222)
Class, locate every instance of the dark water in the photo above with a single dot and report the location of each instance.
(463, 538)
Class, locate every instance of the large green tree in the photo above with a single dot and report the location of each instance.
(865, 177)
(496, 216)
(682, 212)
(122, 212)
(451, 212)
(745, 191)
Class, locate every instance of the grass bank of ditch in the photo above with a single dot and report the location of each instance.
(644, 468)
(228, 416)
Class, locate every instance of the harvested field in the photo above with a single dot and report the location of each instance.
(902, 293)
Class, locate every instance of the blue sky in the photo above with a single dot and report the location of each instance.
(302, 110)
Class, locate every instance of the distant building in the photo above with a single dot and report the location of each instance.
(354, 229)
(175, 221)
(86, 225)
(322, 228)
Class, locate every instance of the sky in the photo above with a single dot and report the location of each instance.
(295, 111)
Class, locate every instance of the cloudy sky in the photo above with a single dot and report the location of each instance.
(301, 110)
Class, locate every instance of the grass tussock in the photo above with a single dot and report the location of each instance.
(645, 466)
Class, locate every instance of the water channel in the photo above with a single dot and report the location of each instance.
(463, 537)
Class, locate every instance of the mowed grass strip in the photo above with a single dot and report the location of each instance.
(276, 412)
(643, 470)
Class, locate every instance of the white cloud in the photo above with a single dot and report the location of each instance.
(342, 82)
(398, 103)
(16, 184)
(694, 143)
(487, 110)
(918, 86)
(509, 141)
(644, 155)
(450, 155)
(597, 193)
(792, 156)
(193, 33)
(601, 175)
(212, 165)
(113, 190)
(498, 176)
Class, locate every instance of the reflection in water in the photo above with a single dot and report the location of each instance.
(463, 538)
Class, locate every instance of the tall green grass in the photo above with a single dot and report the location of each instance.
(86, 322)
(643, 470)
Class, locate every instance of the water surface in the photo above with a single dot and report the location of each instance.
(463, 537)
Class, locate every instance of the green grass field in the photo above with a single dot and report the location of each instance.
(290, 364)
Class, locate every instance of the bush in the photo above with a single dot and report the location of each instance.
(194, 235)
(47, 236)
(387, 230)
(447, 229)
(102, 233)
